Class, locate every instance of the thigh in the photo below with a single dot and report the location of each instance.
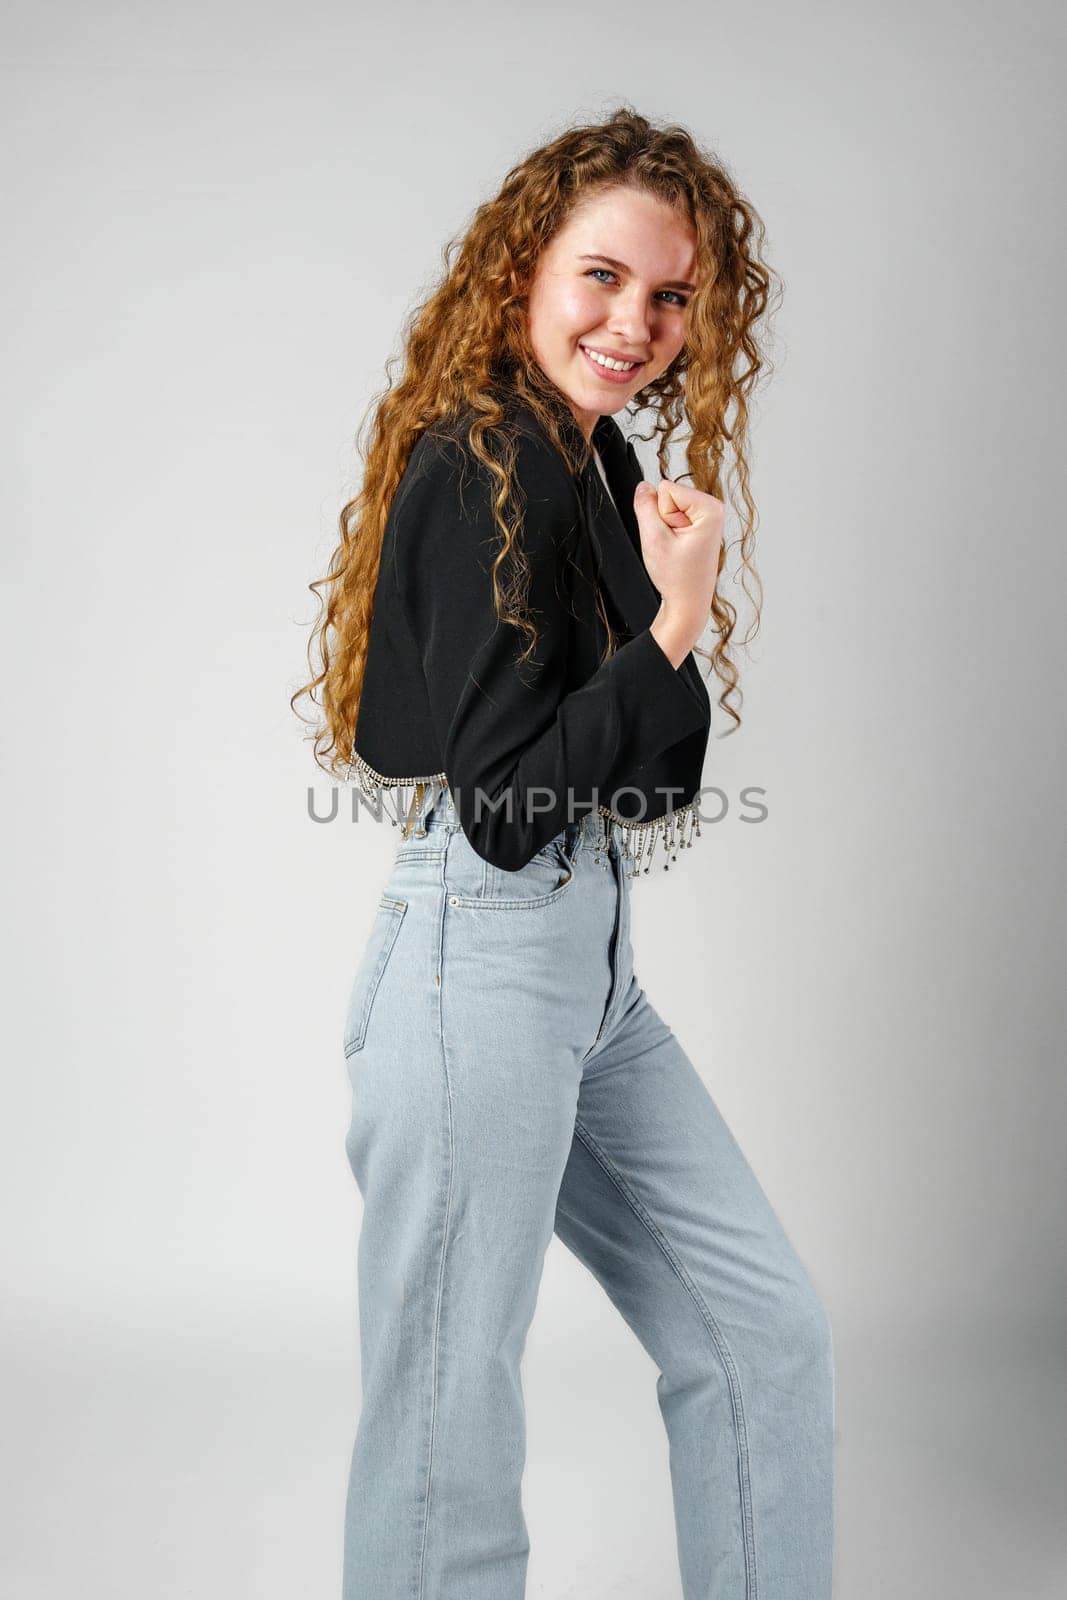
(476, 998)
(659, 1201)
(526, 970)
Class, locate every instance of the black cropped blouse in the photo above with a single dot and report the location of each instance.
(526, 750)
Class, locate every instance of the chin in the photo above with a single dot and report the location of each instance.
(577, 397)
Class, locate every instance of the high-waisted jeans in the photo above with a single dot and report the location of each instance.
(510, 1079)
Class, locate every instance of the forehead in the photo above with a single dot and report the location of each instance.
(652, 238)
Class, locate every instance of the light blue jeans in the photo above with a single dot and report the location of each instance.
(510, 1079)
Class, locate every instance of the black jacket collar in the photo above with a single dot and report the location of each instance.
(612, 523)
(610, 520)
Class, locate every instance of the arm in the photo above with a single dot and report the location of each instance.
(513, 743)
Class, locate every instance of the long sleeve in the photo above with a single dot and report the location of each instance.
(523, 755)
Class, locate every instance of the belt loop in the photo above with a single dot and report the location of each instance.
(420, 833)
(413, 811)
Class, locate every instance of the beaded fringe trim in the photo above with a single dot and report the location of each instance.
(675, 831)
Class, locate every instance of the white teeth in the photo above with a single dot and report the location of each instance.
(606, 361)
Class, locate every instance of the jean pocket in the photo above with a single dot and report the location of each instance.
(542, 881)
(376, 953)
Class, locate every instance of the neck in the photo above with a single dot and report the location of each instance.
(587, 421)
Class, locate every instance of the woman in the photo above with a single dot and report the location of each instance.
(509, 633)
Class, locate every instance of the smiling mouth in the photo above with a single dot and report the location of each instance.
(610, 365)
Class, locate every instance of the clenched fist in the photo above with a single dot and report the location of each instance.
(681, 534)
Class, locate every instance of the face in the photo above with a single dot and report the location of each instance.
(614, 282)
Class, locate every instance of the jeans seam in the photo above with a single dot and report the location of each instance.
(619, 989)
(439, 1298)
(718, 1338)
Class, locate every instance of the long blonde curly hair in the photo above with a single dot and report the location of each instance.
(466, 349)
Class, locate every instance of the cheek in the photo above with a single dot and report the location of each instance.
(562, 313)
(584, 308)
(670, 342)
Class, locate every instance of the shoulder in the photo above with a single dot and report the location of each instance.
(445, 479)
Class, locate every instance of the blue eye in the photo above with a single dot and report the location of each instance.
(679, 300)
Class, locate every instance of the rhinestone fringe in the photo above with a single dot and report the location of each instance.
(675, 831)
(376, 786)
(639, 838)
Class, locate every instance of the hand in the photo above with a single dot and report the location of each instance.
(681, 535)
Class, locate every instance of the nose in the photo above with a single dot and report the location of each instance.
(630, 322)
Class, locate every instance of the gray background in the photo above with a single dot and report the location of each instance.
(216, 222)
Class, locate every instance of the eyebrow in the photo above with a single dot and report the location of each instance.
(620, 266)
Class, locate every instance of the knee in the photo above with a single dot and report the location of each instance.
(803, 1336)
(815, 1331)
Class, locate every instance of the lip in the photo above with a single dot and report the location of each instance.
(605, 373)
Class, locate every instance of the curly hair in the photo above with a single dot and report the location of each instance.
(466, 348)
